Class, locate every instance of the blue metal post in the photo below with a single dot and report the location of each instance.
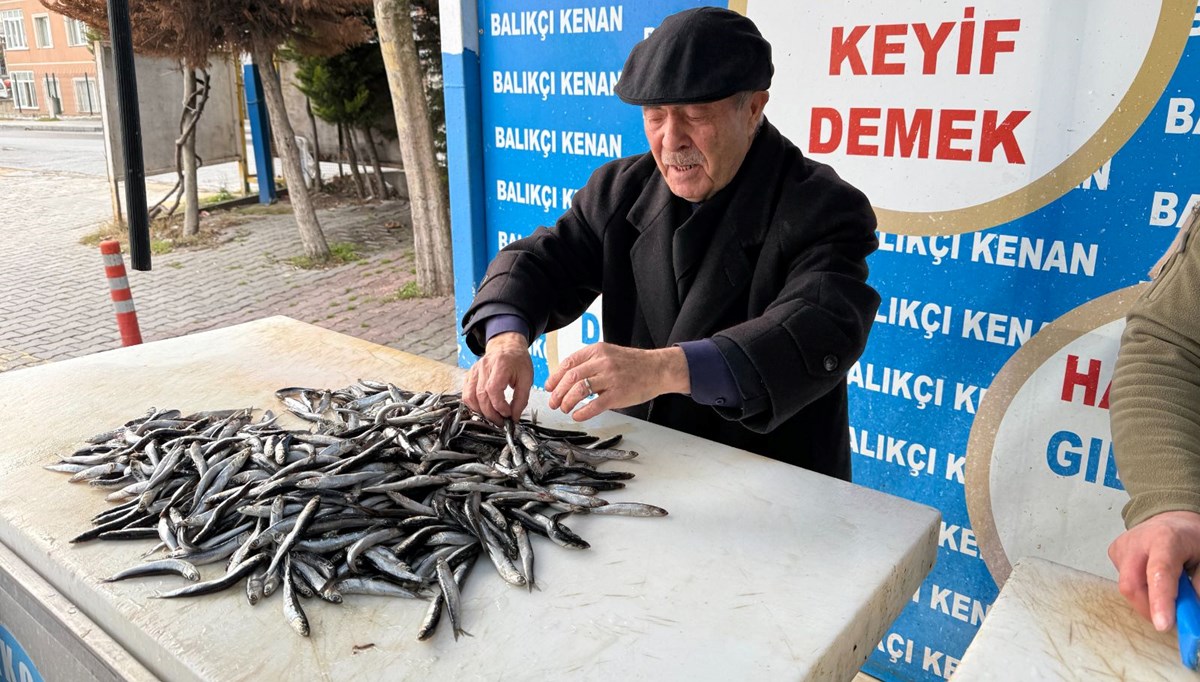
(260, 134)
(464, 152)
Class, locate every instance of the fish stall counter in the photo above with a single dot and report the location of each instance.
(1052, 622)
(760, 568)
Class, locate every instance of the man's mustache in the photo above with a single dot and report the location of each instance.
(682, 158)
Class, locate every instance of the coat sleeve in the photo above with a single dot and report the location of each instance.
(1155, 398)
(805, 341)
(553, 275)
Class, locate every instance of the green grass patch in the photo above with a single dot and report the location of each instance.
(166, 234)
(407, 292)
(221, 195)
(264, 209)
(339, 254)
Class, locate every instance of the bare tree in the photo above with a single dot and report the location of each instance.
(426, 189)
(195, 95)
(193, 31)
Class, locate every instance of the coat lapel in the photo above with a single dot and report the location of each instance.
(727, 267)
(724, 274)
(655, 215)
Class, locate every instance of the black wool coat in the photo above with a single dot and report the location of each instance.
(781, 290)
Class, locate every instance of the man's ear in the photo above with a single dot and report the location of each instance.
(758, 102)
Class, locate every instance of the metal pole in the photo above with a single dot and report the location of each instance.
(243, 157)
(131, 134)
(260, 133)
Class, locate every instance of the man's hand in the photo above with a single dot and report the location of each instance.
(1149, 558)
(619, 377)
(505, 363)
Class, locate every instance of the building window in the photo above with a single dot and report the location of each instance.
(87, 96)
(53, 95)
(25, 89)
(41, 30)
(14, 29)
(76, 32)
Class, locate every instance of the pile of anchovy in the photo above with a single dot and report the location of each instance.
(389, 493)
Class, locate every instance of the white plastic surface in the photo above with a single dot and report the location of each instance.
(1052, 622)
(761, 568)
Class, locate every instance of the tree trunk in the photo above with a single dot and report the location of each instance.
(311, 236)
(426, 192)
(373, 152)
(312, 125)
(353, 161)
(341, 151)
(191, 194)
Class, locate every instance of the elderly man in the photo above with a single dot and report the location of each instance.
(733, 268)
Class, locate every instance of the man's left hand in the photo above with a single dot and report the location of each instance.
(618, 376)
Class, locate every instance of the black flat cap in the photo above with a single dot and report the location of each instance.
(698, 55)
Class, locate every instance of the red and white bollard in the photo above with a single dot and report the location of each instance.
(122, 297)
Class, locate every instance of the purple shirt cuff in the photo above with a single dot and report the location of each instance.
(710, 376)
(498, 324)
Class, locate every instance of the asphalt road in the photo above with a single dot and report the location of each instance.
(77, 153)
(52, 151)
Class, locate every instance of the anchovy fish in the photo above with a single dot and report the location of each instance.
(389, 493)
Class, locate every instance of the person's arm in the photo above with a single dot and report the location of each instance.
(544, 280)
(816, 328)
(1155, 413)
(550, 277)
(709, 376)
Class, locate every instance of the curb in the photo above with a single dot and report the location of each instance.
(67, 128)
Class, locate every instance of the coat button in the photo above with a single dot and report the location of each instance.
(720, 401)
(831, 363)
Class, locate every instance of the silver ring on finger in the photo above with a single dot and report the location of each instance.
(587, 383)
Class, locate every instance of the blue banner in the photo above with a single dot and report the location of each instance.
(1026, 160)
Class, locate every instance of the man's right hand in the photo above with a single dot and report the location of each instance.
(505, 363)
(1149, 558)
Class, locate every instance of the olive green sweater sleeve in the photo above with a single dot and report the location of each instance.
(1155, 399)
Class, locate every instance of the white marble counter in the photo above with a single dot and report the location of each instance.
(761, 569)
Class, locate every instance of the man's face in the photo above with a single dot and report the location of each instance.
(699, 147)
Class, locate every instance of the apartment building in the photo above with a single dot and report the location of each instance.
(50, 67)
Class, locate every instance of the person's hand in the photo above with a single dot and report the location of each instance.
(1149, 558)
(619, 377)
(505, 363)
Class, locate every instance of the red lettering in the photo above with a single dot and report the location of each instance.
(884, 47)
(1002, 135)
(992, 44)
(1104, 400)
(961, 134)
(890, 43)
(1090, 381)
(859, 128)
(948, 133)
(966, 40)
(898, 133)
(846, 48)
(820, 115)
(931, 45)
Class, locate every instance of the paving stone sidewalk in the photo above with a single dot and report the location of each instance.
(54, 301)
